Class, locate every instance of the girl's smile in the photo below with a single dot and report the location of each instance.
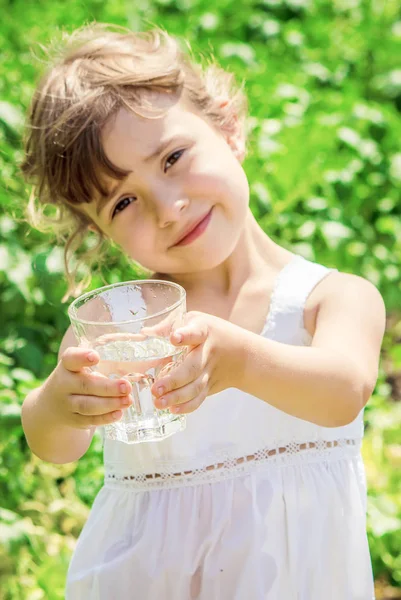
(194, 231)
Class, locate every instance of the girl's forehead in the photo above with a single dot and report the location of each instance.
(130, 134)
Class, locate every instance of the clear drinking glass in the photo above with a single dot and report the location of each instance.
(129, 326)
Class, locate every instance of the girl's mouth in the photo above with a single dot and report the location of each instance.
(196, 231)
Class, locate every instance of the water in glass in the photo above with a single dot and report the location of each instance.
(141, 363)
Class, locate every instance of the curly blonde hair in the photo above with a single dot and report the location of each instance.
(98, 70)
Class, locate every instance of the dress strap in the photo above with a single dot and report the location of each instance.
(293, 287)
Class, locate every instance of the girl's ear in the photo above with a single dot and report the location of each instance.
(237, 145)
(231, 128)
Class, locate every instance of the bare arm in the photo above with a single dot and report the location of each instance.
(329, 382)
(59, 418)
(49, 439)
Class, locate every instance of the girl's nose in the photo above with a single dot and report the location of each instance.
(169, 212)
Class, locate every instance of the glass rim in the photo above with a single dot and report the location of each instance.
(72, 307)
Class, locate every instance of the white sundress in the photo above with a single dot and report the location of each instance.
(248, 503)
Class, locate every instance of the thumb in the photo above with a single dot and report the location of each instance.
(74, 359)
(193, 334)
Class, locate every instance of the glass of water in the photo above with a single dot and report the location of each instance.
(129, 325)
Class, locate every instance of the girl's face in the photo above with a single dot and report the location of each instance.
(182, 172)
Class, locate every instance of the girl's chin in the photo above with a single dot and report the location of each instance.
(211, 257)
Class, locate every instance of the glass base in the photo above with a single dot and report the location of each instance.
(153, 429)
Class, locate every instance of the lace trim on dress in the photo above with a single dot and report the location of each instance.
(220, 467)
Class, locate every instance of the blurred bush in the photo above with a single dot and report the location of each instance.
(324, 164)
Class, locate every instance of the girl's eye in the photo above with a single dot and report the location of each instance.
(121, 204)
(173, 159)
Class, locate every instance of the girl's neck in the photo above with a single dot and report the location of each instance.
(254, 255)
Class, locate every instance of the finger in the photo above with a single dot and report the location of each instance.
(83, 422)
(184, 394)
(170, 323)
(192, 335)
(75, 359)
(113, 417)
(96, 405)
(163, 328)
(181, 375)
(96, 384)
(189, 407)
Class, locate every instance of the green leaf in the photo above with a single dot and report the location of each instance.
(395, 167)
(239, 50)
(349, 136)
(22, 375)
(395, 355)
(6, 360)
(11, 115)
(316, 203)
(334, 233)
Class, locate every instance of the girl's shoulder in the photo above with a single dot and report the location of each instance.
(347, 312)
(345, 291)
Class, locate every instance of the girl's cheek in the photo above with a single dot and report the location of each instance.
(138, 241)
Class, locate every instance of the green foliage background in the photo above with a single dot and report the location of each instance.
(324, 82)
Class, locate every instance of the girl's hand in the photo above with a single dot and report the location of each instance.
(81, 398)
(211, 365)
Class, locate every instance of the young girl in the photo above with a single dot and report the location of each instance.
(263, 496)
